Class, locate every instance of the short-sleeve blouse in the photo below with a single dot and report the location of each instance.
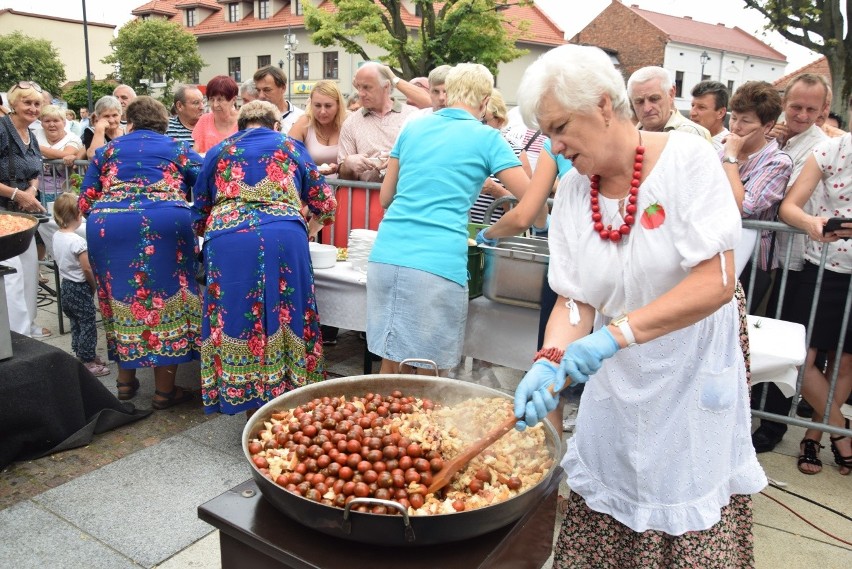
(833, 198)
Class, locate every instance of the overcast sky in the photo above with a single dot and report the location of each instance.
(570, 15)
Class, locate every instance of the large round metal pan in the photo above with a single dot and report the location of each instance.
(394, 530)
(16, 243)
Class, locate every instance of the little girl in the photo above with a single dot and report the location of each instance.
(78, 282)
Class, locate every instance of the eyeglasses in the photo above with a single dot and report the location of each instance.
(26, 85)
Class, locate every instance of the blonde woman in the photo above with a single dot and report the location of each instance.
(319, 127)
(57, 144)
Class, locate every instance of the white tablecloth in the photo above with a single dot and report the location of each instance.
(777, 347)
(498, 333)
(507, 335)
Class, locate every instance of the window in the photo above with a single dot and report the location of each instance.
(263, 60)
(233, 12)
(730, 87)
(301, 71)
(194, 78)
(263, 9)
(298, 6)
(329, 65)
(158, 78)
(144, 17)
(678, 83)
(190, 17)
(705, 77)
(234, 69)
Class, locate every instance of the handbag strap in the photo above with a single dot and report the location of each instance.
(532, 140)
(12, 177)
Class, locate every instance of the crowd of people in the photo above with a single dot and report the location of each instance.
(663, 461)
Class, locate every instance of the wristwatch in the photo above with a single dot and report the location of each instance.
(623, 324)
(395, 80)
(730, 160)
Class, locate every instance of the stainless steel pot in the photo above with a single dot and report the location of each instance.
(515, 271)
(394, 530)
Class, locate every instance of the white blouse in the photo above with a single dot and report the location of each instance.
(663, 434)
(833, 198)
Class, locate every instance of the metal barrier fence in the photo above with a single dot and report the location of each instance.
(359, 208)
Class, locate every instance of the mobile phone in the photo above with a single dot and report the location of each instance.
(834, 224)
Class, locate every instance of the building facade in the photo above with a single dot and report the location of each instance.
(237, 37)
(67, 37)
(691, 51)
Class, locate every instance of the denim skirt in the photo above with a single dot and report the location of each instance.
(415, 314)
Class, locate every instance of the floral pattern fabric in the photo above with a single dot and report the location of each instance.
(142, 248)
(260, 324)
(591, 539)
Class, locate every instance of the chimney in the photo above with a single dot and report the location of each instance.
(687, 17)
(720, 24)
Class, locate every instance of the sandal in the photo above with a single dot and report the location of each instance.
(844, 462)
(810, 455)
(174, 397)
(127, 390)
(96, 369)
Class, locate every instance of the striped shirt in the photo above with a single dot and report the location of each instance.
(765, 175)
(477, 212)
(178, 131)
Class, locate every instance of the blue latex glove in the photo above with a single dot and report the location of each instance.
(532, 399)
(481, 239)
(585, 356)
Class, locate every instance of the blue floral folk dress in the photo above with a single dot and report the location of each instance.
(142, 248)
(260, 327)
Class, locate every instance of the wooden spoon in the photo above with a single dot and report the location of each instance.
(443, 476)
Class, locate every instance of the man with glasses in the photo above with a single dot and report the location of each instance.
(189, 106)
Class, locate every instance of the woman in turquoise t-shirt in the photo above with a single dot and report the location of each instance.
(417, 274)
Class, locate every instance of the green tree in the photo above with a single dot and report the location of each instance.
(77, 96)
(29, 59)
(451, 32)
(817, 25)
(155, 49)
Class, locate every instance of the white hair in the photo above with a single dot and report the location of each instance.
(577, 77)
(646, 74)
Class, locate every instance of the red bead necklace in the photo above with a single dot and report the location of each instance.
(607, 232)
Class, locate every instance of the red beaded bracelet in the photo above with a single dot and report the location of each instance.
(552, 354)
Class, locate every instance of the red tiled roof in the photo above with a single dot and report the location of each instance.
(156, 7)
(542, 29)
(209, 4)
(714, 36)
(819, 67)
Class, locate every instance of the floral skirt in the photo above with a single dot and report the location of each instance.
(144, 263)
(739, 294)
(592, 539)
(260, 329)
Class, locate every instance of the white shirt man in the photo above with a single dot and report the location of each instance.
(271, 85)
(709, 108)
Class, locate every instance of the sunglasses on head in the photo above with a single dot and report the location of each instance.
(26, 85)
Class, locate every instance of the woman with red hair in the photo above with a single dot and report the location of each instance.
(212, 128)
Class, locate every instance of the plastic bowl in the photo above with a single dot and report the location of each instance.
(322, 256)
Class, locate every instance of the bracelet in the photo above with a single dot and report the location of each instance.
(552, 354)
(15, 193)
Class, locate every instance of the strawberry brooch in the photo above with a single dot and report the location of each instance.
(653, 216)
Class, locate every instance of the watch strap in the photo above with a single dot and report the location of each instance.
(623, 325)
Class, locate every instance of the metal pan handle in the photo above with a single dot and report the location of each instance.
(347, 523)
(430, 363)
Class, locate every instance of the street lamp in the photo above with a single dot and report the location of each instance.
(703, 59)
(291, 44)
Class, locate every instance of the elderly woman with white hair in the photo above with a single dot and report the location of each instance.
(642, 231)
(417, 297)
(105, 124)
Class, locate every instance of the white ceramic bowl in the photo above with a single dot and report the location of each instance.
(322, 256)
